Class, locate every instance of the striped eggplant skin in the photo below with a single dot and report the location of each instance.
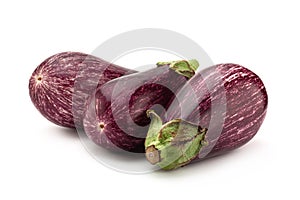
(240, 104)
(51, 85)
(116, 115)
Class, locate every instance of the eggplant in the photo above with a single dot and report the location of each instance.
(220, 109)
(116, 116)
(53, 89)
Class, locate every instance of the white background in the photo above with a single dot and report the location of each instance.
(39, 160)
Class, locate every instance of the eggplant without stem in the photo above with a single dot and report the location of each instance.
(51, 85)
(220, 109)
(116, 115)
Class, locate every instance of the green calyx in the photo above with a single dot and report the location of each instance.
(173, 144)
(186, 68)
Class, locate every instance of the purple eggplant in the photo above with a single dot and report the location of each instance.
(52, 85)
(220, 109)
(116, 114)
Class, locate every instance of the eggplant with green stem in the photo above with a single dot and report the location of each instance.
(116, 116)
(220, 109)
